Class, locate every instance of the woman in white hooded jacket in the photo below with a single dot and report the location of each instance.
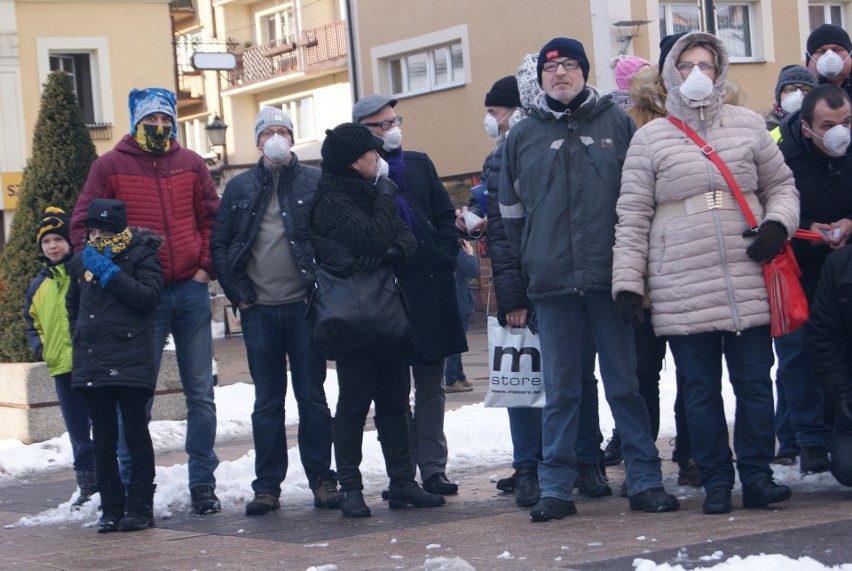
(681, 234)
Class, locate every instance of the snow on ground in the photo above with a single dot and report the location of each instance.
(476, 437)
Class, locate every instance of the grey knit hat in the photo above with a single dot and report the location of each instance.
(268, 117)
(794, 74)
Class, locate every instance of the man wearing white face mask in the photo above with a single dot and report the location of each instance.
(265, 262)
(428, 281)
(815, 145)
(827, 56)
(794, 82)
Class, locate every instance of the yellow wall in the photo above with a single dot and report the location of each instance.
(140, 50)
(499, 33)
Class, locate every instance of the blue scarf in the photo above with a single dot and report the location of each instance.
(396, 172)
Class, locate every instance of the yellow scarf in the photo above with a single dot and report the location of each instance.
(117, 242)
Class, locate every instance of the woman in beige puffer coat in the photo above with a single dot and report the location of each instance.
(681, 232)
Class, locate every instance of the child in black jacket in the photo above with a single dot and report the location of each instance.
(115, 288)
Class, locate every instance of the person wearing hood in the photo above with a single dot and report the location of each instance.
(827, 56)
(428, 281)
(681, 235)
(816, 146)
(114, 292)
(558, 187)
(355, 227)
(50, 339)
(168, 189)
(794, 82)
(264, 218)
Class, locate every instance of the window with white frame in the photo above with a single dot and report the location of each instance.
(820, 13)
(734, 25)
(427, 70)
(276, 26)
(301, 112)
(185, 47)
(193, 135)
(431, 62)
(86, 61)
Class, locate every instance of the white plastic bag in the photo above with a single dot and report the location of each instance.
(514, 357)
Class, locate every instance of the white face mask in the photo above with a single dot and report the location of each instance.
(830, 64)
(792, 102)
(383, 169)
(836, 139)
(492, 127)
(697, 86)
(276, 148)
(392, 138)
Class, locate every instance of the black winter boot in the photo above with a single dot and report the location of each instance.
(88, 485)
(527, 492)
(612, 452)
(403, 490)
(347, 455)
(139, 509)
(112, 504)
(590, 480)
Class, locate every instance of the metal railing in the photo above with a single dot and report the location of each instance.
(180, 4)
(319, 46)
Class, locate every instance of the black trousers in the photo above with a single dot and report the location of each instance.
(361, 383)
(103, 404)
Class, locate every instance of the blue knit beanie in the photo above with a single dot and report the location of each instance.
(144, 102)
(563, 47)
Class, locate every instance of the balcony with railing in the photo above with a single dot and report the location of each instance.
(318, 49)
(182, 11)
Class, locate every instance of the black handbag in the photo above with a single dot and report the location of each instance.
(359, 311)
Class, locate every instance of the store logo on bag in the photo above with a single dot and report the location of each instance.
(534, 371)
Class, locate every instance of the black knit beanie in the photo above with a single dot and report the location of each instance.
(504, 93)
(824, 35)
(107, 214)
(54, 221)
(666, 45)
(563, 47)
(346, 143)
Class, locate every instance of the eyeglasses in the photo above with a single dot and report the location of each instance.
(792, 87)
(568, 64)
(385, 125)
(271, 132)
(686, 67)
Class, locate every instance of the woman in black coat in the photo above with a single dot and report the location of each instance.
(355, 228)
(115, 288)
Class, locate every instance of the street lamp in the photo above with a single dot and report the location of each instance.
(216, 133)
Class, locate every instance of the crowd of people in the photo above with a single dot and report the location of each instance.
(611, 235)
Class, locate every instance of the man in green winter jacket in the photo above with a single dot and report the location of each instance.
(559, 185)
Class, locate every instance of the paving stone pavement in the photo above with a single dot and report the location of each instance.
(481, 526)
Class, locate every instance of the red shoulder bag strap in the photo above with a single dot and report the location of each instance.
(711, 154)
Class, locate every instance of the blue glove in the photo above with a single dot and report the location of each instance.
(100, 265)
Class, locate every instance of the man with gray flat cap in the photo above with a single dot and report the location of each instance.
(429, 285)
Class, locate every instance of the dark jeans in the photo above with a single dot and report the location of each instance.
(272, 333)
(749, 358)
(132, 402)
(803, 396)
(77, 422)
(453, 369)
(361, 383)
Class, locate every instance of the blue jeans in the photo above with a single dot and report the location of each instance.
(525, 428)
(795, 377)
(749, 358)
(184, 311)
(565, 324)
(272, 334)
(783, 429)
(453, 370)
(77, 422)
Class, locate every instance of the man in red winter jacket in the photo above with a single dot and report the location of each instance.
(168, 189)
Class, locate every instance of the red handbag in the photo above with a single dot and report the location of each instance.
(788, 305)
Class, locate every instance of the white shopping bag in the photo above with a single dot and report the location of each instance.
(514, 359)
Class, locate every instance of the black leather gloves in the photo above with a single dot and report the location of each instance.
(393, 256)
(372, 263)
(771, 236)
(385, 186)
(630, 308)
